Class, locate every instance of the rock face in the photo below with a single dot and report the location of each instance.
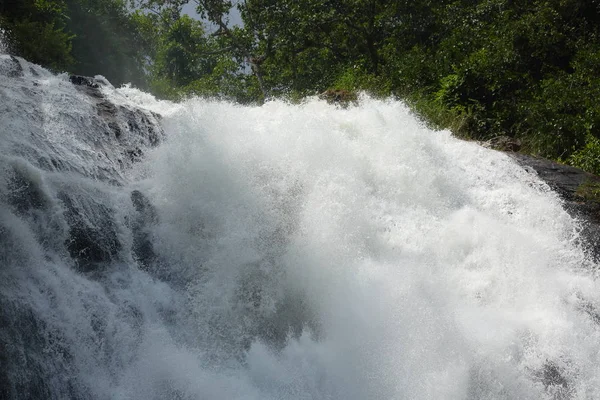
(123, 123)
(579, 190)
(65, 148)
(144, 218)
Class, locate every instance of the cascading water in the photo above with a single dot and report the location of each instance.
(276, 252)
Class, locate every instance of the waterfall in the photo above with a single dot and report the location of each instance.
(209, 250)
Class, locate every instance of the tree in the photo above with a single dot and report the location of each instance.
(107, 41)
(36, 30)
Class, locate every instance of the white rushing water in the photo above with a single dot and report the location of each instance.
(304, 252)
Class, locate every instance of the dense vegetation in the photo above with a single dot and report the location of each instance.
(526, 69)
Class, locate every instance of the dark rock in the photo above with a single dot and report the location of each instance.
(591, 311)
(83, 81)
(503, 143)
(33, 357)
(58, 164)
(93, 236)
(24, 194)
(580, 191)
(89, 86)
(71, 216)
(156, 116)
(132, 127)
(135, 155)
(568, 181)
(106, 109)
(115, 128)
(143, 249)
(17, 70)
(143, 206)
(552, 376)
(11, 67)
(564, 179)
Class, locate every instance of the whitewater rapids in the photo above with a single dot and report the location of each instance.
(298, 252)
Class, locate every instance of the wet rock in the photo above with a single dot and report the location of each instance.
(32, 356)
(106, 109)
(133, 128)
(96, 147)
(592, 312)
(552, 376)
(93, 236)
(135, 155)
(143, 123)
(115, 128)
(156, 116)
(146, 216)
(143, 206)
(503, 143)
(579, 190)
(554, 379)
(89, 86)
(25, 194)
(58, 165)
(10, 67)
(83, 81)
(562, 178)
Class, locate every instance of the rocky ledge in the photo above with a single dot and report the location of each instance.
(579, 190)
(82, 129)
(122, 123)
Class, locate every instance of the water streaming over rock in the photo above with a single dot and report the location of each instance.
(207, 250)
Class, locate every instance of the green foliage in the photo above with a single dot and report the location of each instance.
(86, 37)
(588, 157)
(179, 56)
(43, 43)
(107, 41)
(460, 120)
(523, 69)
(589, 191)
(36, 31)
(356, 79)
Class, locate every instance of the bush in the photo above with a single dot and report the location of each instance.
(355, 79)
(587, 158)
(36, 31)
(42, 43)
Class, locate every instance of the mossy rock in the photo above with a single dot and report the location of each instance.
(339, 96)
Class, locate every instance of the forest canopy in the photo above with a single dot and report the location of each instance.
(526, 69)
